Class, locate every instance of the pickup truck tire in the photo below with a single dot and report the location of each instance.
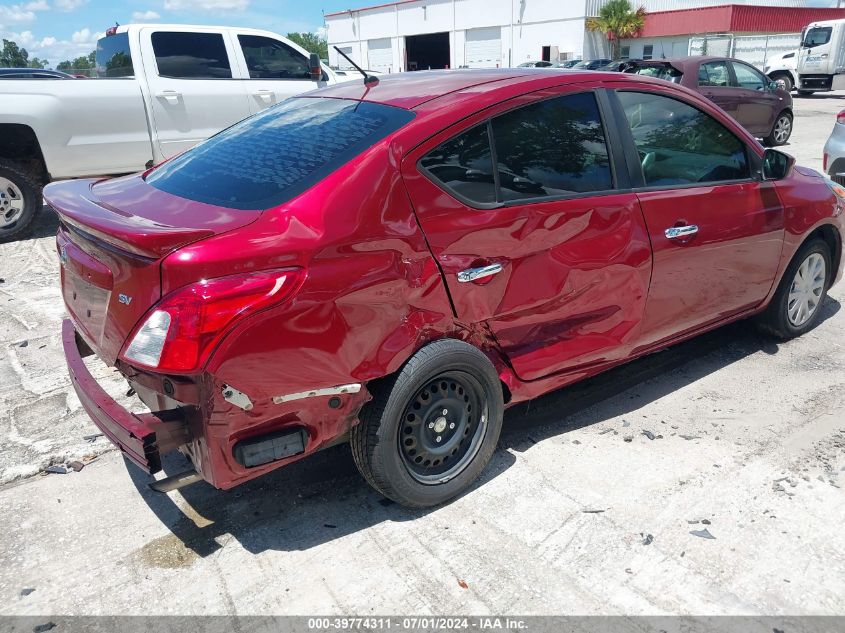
(20, 200)
(431, 428)
(807, 276)
(781, 130)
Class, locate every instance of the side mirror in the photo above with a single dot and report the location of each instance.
(777, 165)
(316, 68)
(774, 85)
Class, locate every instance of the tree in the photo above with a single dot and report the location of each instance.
(312, 43)
(37, 63)
(80, 65)
(13, 56)
(618, 20)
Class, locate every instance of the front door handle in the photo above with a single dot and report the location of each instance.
(265, 95)
(675, 232)
(473, 274)
(171, 96)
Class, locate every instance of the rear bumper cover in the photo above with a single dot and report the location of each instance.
(141, 437)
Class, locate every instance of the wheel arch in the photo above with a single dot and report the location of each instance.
(831, 236)
(19, 143)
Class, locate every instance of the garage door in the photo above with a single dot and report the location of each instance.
(483, 48)
(380, 55)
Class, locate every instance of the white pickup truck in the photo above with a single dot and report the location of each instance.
(160, 90)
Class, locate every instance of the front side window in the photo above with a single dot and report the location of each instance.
(817, 36)
(680, 145)
(553, 148)
(267, 58)
(182, 55)
(748, 78)
(271, 157)
(714, 74)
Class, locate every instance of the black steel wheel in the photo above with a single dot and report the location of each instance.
(431, 428)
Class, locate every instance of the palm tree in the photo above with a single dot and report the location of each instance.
(618, 19)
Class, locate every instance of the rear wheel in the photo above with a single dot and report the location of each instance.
(781, 130)
(20, 200)
(430, 430)
(796, 306)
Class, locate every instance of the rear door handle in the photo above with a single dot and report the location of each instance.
(265, 95)
(473, 274)
(675, 232)
(171, 96)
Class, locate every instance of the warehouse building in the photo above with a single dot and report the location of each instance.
(422, 34)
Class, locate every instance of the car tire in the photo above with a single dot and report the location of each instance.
(20, 200)
(809, 273)
(781, 130)
(786, 79)
(431, 428)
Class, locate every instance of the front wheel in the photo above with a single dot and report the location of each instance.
(781, 130)
(796, 306)
(20, 200)
(430, 430)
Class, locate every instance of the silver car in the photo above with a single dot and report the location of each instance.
(834, 151)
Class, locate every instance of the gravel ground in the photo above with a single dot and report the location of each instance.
(580, 511)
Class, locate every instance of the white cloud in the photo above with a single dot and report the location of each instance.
(53, 49)
(81, 36)
(145, 16)
(37, 5)
(69, 5)
(206, 5)
(15, 14)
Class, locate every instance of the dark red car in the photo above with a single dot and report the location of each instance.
(759, 104)
(350, 264)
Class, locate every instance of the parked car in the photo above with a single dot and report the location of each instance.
(569, 63)
(536, 64)
(620, 65)
(32, 73)
(783, 69)
(762, 106)
(834, 151)
(162, 79)
(351, 264)
(591, 64)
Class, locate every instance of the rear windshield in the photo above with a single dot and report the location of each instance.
(662, 71)
(113, 58)
(277, 154)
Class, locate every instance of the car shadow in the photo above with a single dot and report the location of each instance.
(46, 224)
(323, 497)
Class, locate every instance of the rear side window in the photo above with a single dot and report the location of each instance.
(714, 74)
(112, 58)
(551, 149)
(661, 71)
(191, 55)
(269, 158)
(680, 145)
(267, 58)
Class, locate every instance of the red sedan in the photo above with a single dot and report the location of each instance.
(395, 263)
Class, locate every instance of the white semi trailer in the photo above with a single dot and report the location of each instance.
(821, 57)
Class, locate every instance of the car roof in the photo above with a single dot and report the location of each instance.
(33, 71)
(412, 89)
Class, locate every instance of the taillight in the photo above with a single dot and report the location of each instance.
(840, 118)
(179, 333)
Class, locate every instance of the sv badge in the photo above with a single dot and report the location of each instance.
(124, 299)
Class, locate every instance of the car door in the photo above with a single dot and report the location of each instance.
(716, 230)
(194, 89)
(547, 252)
(273, 69)
(757, 105)
(714, 82)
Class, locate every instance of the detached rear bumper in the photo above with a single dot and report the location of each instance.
(141, 437)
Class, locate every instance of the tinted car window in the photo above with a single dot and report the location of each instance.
(681, 145)
(713, 74)
(191, 55)
(552, 148)
(112, 58)
(464, 165)
(817, 36)
(269, 158)
(267, 58)
(660, 71)
(748, 78)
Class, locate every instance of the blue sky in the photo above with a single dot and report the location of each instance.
(64, 29)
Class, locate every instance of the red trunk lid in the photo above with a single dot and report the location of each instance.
(113, 237)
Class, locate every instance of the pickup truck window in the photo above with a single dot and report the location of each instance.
(182, 55)
(270, 158)
(113, 58)
(267, 58)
